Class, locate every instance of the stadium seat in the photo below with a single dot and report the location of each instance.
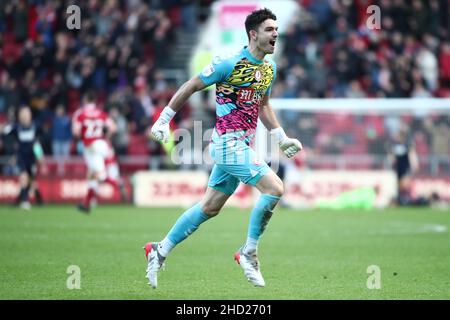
(138, 145)
(355, 149)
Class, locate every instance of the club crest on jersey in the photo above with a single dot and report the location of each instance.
(258, 75)
(208, 70)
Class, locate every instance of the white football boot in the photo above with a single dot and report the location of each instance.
(155, 263)
(250, 264)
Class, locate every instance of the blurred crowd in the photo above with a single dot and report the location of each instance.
(329, 51)
(119, 52)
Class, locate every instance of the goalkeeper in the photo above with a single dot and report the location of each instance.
(243, 85)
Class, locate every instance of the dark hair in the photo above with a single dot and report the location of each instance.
(257, 17)
(89, 96)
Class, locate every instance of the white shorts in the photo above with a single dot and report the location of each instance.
(95, 155)
(112, 171)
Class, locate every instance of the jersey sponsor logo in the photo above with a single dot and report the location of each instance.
(246, 94)
(208, 70)
(257, 97)
(26, 135)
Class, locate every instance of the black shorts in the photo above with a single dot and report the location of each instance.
(27, 164)
(403, 172)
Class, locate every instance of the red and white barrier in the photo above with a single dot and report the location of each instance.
(184, 188)
(57, 190)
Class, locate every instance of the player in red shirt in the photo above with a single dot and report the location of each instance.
(93, 126)
(113, 172)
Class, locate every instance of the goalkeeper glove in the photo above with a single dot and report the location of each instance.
(288, 145)
(160, 130)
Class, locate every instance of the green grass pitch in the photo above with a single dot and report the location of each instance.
(305, 254)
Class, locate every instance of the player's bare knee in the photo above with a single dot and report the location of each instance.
(210, 209)
(23, 179)
(277, 189)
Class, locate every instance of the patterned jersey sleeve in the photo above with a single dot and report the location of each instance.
(217, 71)
(269, 89)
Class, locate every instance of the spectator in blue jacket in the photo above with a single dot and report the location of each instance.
(61, 133)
